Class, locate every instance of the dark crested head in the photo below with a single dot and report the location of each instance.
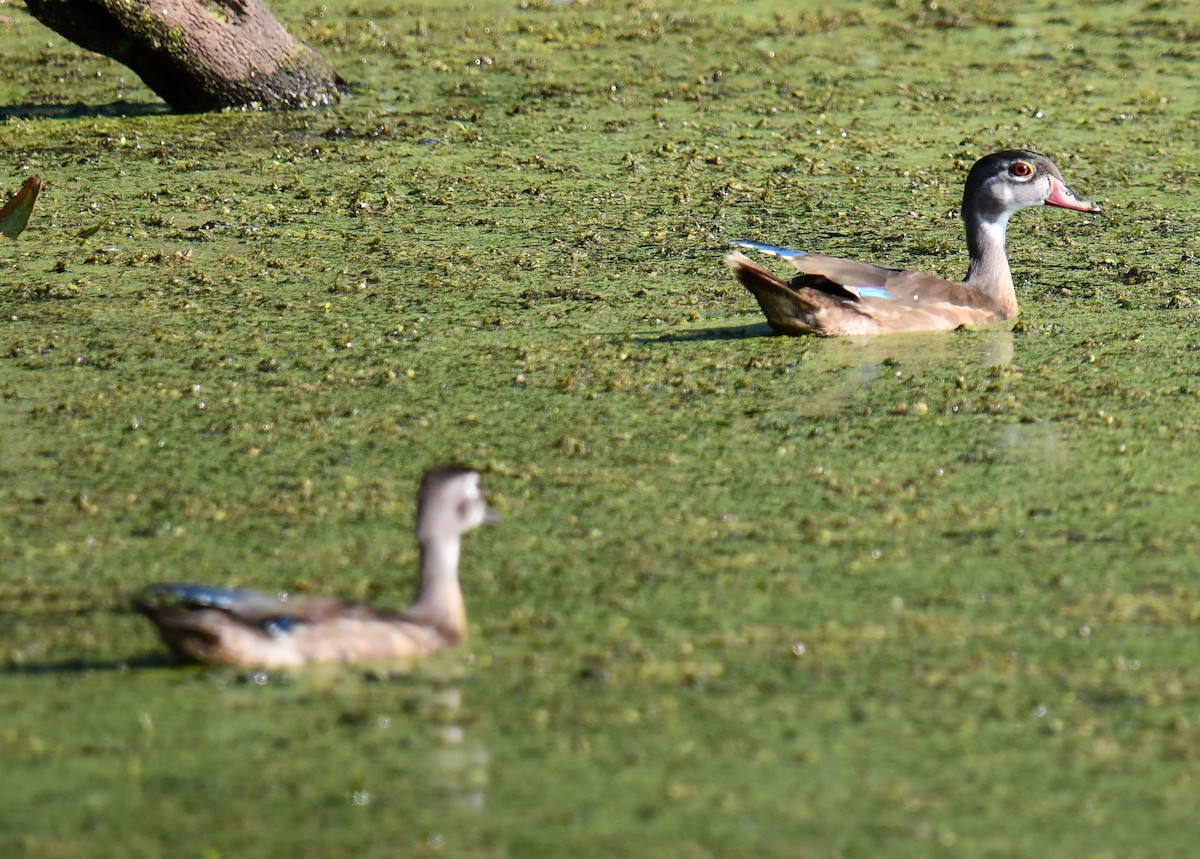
(1004, 182)
(450, 502)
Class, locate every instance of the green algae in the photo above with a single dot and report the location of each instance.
(753, 595)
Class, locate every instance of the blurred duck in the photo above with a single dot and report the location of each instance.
(253, 629)
(836, 296)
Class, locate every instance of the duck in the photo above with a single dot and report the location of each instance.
(252, 629)
(838, 297)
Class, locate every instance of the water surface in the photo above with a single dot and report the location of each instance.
(753, 595)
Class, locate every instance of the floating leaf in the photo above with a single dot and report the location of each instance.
(14, 217)
(88, 232)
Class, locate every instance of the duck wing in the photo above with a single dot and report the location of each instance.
(835, 296)
(836, 270)
(194, 605)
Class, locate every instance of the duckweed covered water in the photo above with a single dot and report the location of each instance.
(753, 595)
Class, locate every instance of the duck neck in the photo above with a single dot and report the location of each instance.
(988, 273)
(439, 600)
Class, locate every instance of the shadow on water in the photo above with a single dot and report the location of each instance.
(79, 110)
(72, 628)
(732, 332)
(90, 666)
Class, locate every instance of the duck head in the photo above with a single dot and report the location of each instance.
(451, 503)
(1005, 182)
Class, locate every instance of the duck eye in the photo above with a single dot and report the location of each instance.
(1021, 169)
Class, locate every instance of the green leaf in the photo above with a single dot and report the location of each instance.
(88, 232)
(14, 217)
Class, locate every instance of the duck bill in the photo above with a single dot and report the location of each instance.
(491, 517)
(1061, 195)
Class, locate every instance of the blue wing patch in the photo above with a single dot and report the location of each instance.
(869, 291)
(278, 627)
(244, 603)
(201, 595)
(773, 250)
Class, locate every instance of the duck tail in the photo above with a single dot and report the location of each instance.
(190, 633)
(785, 308)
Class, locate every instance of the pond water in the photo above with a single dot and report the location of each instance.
(753, 595)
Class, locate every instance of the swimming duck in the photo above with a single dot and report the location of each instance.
(835, 296)
(254, 629)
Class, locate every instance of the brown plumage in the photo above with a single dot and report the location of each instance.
(834, 296)
(254, 629)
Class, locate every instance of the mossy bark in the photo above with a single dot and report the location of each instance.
(199, 54)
